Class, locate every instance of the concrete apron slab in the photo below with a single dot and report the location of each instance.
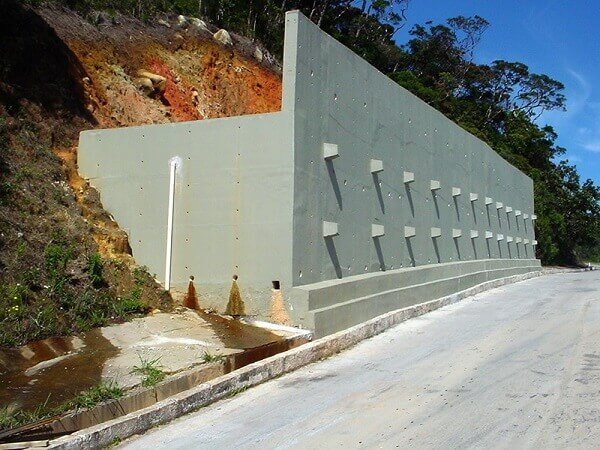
(203, 394)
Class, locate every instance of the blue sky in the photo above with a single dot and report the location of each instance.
(556, 37)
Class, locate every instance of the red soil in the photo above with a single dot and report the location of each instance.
(228, 81)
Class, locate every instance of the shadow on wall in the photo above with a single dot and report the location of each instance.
(333, 255)
(437, 249)
(410, 199)
(379, 251)
(334, 183)
(377, 184)
(410, 251)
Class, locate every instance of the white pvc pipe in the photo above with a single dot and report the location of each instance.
(171, 210)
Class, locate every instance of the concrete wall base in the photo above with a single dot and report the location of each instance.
(333, 305)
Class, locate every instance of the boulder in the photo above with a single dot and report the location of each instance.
(182, 21)
(223, 37)
(144, 85)
(197, 23)
(147, 80)
(258, 54)
(178, 41)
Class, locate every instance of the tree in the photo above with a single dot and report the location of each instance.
(513, 88)
(500, 103)
(390, 12)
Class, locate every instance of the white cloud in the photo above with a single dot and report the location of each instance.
(578, 99)
(592, 146)
(590, 139)
(584, 131)
(585, 91)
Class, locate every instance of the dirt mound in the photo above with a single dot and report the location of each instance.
(204, 78)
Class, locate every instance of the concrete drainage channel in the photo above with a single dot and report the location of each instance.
(189, 391)
(273, 340)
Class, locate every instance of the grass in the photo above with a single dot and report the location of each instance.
(84, 400)
(132, 303)
(236, 391)
(95, 268)
(115, 441)
(96, 395)
(210, 357)
(47, 302)
(12, 420)
(150, 371)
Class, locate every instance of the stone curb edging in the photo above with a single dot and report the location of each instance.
(188, 401)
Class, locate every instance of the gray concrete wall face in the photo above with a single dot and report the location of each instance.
(340, 99)
(233, 201)
(253, 193)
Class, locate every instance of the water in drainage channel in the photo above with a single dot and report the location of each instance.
(25, 380)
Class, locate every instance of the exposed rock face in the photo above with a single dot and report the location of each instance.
(228, 80)
(223, 37)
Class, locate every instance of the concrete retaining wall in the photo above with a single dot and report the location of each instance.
(233, 199)
(355, 177)
(334, 305)
(341, 99)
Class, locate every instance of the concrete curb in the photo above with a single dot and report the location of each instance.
(185, 402)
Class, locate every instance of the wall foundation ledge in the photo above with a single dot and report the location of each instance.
(330, 306)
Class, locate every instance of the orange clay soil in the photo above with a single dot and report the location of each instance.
(204, 78)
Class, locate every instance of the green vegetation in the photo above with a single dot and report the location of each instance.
(236, 391)
(210, 357)
(95, 268)
(11, 420)
(96, 395)
(84, 400)
(70, 302)
(132, 303)
(5, 186)
(150, 371)
(115, 442)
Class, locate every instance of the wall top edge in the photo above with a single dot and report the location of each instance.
(186, 124)
(295, 18)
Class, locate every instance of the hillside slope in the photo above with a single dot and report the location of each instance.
(65, 265)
